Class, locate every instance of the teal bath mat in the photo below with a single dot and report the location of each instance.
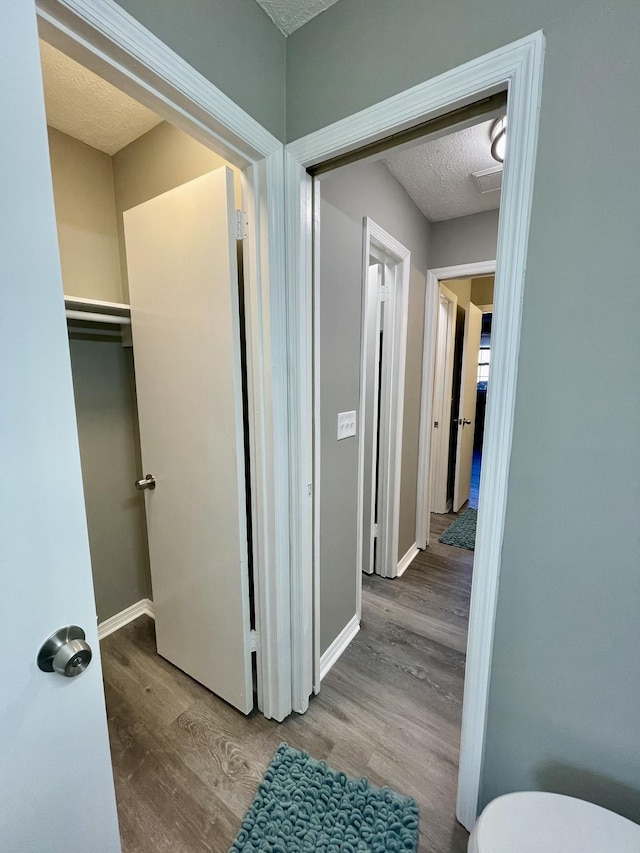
(462, 533)
(302, 806)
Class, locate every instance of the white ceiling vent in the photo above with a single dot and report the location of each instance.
(489, 180)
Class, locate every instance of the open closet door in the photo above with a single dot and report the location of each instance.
(467, 410)
(181, 258)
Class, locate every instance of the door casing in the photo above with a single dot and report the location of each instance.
(425, 448)
(468, 399)
(437, 377)
(395, 261)
(107, 40)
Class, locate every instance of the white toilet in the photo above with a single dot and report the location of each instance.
(536, 822)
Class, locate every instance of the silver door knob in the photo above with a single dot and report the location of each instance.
(65, 652)
(147, 482)
(465, 422)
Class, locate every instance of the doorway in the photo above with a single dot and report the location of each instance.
(146, 229)
(521, 62)
(109, 48)
(451, 474)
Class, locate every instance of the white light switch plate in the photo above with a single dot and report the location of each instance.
(346, 425)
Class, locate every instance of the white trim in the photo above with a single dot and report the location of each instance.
(518, 68)
(440, 346)
(434, 278)
(476, 270)
(107, 40)
(311, 279)
(304, 476)
(339, 645)
(406, 561)
(144, 607)
(396, 259)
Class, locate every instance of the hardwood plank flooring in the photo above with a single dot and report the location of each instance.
(186, 765)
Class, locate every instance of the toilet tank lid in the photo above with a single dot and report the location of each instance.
(534, 821)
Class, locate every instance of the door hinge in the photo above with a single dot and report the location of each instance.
(242, 224)
(385, 293)
(375, 530)
(435, 424)
(253, 641)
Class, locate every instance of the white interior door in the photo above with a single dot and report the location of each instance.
(370, 410)
(181, 257)
(442, 391)
(467, 411)
(56, 785)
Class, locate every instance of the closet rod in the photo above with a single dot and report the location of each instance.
(92, 317)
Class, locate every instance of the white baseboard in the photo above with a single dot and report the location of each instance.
(340, 643)
(140, 608)
(408, 558)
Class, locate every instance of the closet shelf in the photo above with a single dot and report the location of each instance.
(97, 311)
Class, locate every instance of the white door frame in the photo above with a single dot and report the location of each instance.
(107, 40)
(434, 278)
(518, 68)
(397, 263)
(437, 374)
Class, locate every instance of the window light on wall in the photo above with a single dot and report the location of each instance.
(484, 362)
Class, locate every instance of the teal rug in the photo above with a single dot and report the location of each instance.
(462, 533)
(302, 806)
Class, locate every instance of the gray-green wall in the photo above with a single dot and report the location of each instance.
(104, 392)
(565, 684)
(233, 43)
(465, 240)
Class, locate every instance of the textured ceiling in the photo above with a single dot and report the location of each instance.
(83, 105)
(288, 15)
(438, 175)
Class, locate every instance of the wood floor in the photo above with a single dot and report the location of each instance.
(186, 765)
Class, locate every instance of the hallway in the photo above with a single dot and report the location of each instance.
(186, 765)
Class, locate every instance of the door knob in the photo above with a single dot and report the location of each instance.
(65, 652)
(465, 422)
(147, 482)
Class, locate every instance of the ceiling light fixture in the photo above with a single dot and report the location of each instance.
(498, 136)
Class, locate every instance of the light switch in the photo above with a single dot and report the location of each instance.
(346, 425)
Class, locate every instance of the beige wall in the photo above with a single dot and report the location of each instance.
(86, 218)
(482, 290)
(476, 290)
(104, 392)
(158, 161)
(462, 289)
